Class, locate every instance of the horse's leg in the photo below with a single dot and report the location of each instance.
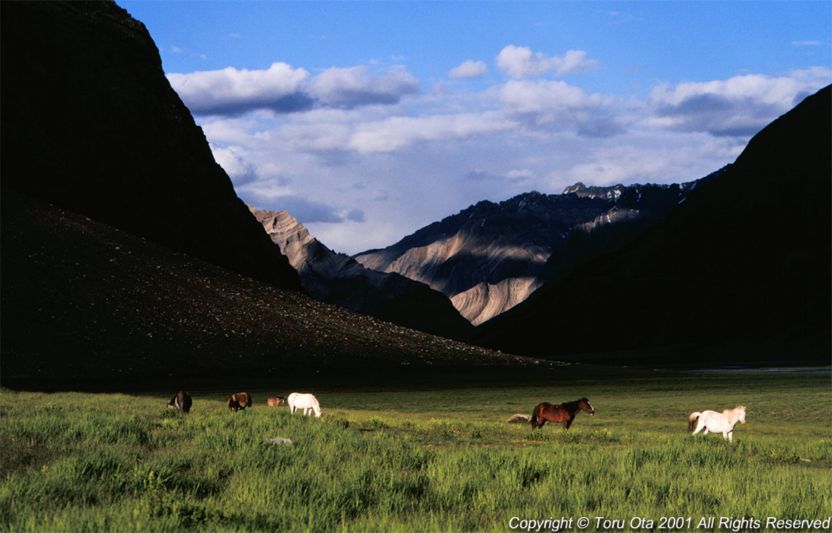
(729, 435)
(699, 426)
(568, 423)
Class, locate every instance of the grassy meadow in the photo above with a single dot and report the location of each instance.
(408, 460)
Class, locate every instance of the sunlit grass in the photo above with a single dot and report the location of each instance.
(412, 460)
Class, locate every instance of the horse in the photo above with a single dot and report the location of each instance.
(274, 401)
(518, 419)
(182, 401)
(563, 413)
(711, 421)
(239, 400)
(307, 402)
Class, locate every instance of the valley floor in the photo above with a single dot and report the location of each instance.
(424, 459)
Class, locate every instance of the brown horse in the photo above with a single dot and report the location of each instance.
(563, 413)
(274, 401)
(239, 400)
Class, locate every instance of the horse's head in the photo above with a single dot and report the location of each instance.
(741, 414)
(585, 406)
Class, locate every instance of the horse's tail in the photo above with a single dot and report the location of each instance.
(692, 420)
(533, 419)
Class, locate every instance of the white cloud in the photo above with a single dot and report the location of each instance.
(521, 62)
(469, 69)
(282, 88)
(354, 86)
(396, 132)
(806, 43)
(231, 90)
(740, 105)
(556, 103)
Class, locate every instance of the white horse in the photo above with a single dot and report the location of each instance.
(723, 422)
(307, 402)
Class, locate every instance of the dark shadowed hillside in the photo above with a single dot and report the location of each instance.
(98, 305)
(743, 262)
(339, 279)
(90, 123)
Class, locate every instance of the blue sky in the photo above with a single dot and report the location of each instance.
(369, 120)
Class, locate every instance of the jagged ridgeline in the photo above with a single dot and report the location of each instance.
(339, 279)
(91, 124)
(492, 256)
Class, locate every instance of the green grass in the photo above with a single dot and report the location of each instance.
(414, 460)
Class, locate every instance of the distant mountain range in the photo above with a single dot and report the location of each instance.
(339, 279)
(741, 267)
(492, 256)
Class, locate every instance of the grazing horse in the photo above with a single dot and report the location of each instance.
(711, 421)
(307, 402)
(182, 401)
(239, 400)
(274, 401)
(563, 413)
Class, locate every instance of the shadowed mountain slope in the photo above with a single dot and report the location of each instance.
(86, 303)
(91, 124)
(491, 256)
(745, 261)
(339, 279)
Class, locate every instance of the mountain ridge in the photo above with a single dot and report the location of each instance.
(340, 280)
(492, 255)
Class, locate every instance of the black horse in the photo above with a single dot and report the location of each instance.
(182, 401)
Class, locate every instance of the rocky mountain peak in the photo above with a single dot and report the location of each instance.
(339, 279)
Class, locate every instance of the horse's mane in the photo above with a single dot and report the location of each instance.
(573, 405)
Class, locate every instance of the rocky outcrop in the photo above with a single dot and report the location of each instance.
(91, 124)
(739, 271)
(486, 300)
(492, 256)
(339, 279)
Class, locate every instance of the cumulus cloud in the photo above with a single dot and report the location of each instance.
(738, 106)
(233, 91)
(521, 62)
(556, 103)
(354, 87)
(469, 69)
(282, 88)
